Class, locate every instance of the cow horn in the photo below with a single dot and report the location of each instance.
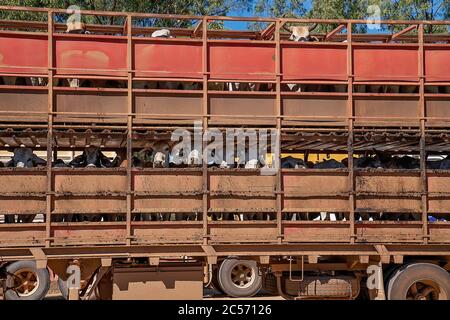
(311, 28)
(288, 29)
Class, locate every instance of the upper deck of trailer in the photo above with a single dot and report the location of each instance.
(125, 52)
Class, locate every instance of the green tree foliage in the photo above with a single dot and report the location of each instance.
(356, 9)
(187, 7)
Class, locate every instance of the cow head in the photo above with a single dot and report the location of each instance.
(253, 164)
(292, 163)
(163, 33)
(76, 27)
(160, 154)
(194, 158)
(93, 157)
(25, 158)
(224, 165)
(300, 33)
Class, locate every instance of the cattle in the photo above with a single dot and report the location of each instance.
(143, 158)
(367, 161)
(160, 155)
(329, 164)
(313, 87)
(59, 164)
(240, 86)
(381, 88)
(443, 164)
(301, 33)
(162, 33)
(167, 85)
(153, 155)
(292, 163)
(15, 81)
(24, 158)
(92, 157)
(194, 158)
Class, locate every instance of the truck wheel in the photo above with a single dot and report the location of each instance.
(239, 278)
(419, 281)
(62, 286)
(28, 282)
(215, 281)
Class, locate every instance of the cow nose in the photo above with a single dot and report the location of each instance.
(20, 165)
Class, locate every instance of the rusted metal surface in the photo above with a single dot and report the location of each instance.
(87, 55)
(436, 67)
(164, 104)
(300, 62)
(94, 192)
(173, 58)
(234, 60)
(241, 61)
(357, 122)
(381, 108)
(25, 100)
(151, 283)
(15, 57)
(385, 62)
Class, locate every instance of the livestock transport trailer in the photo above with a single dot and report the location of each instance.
(112, 84)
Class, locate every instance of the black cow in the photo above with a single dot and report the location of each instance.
(59, 164)
(329, 164)
(443, 164)
(292, 163)
(368, 162)
(92, 157)
(25, 158)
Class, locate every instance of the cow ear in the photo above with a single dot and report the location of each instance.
(288, 29)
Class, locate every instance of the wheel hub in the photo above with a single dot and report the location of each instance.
(242, 276)
(26, 282)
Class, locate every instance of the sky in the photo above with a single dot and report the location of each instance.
(242, 25)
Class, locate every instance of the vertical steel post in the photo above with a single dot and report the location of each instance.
(205, 177)
(129, 129)
(49, 194)
(350, 115)
(423, 154)
(278, 107)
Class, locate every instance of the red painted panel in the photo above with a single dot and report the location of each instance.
(309, 62)
(385, 63)
(27, 52)
(437, 63)
(168, 59)
(250, 61)
(95, 56)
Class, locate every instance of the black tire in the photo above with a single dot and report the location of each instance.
(62, 286)
(403, 278)
(248, 287)
(41, 278)
(215, 281)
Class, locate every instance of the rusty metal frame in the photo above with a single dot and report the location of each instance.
(207, 38)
